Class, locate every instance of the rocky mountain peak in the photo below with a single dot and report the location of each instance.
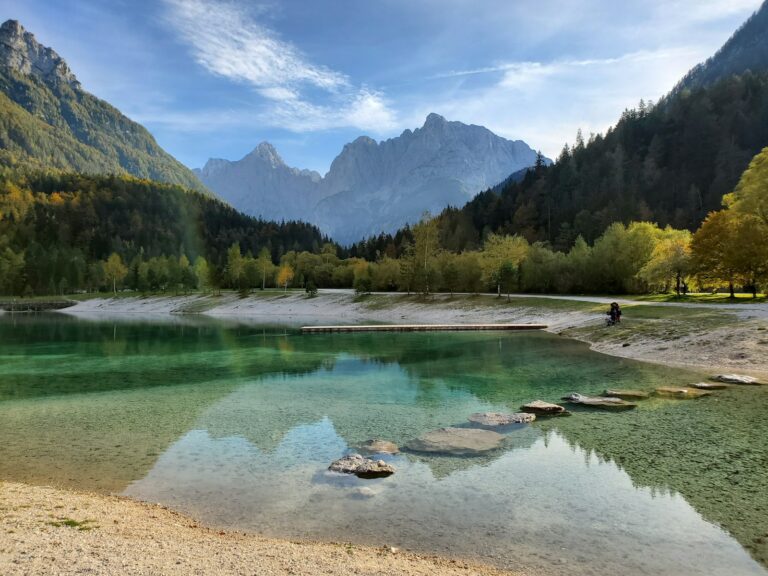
(373, 186)
(434, 121)
(21, 52)
(265, 151)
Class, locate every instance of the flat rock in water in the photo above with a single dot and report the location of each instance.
(362, 467)
(710, 385)
(541, 407)
(456, 441)
(380, 447)
(677, 392)
(626, 394)
(600, 402)
(736, 379)
(494, 419)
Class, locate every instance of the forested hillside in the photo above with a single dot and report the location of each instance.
(48, 121)
(56, 231)
(670, 164)
(746, 50)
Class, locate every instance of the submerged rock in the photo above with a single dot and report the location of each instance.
(736, 379)
(600, 402)
(677, 392)
(362, 467)
(456, 441)
(544, 408)
(496, 419)
(380, 447)
(626, 394)
(710, 385)
(362, 493)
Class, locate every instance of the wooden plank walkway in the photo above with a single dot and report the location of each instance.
(421, 328)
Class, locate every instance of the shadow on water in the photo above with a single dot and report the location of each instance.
(237, 424)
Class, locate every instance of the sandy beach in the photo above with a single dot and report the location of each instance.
(45, 531)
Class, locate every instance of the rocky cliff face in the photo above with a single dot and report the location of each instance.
(373, 187)
(264, 183)
(20, 51)
(48, 121)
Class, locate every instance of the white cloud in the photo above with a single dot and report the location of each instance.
(544, 103)
(367, 110)
(227, 41)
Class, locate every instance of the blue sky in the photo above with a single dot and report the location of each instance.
(213, 78)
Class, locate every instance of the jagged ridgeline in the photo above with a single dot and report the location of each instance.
(47, 120)
(668, 163)
(55, 228)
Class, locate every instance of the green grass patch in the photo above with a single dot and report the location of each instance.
(83, 525)
(701, 298)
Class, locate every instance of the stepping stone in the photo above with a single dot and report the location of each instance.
(736, 379)
(380, 447)
(682, 393)
(362, 467)
(710, 386)
(600, 402)
(544, 408)
(456, 441)
(496, 419)
(627, 394)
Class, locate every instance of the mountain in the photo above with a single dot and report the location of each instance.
(669, 163)
(372, 186)
(47, 120)
(746, 50)
(262, 184)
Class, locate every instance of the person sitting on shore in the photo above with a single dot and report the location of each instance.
(614, 314)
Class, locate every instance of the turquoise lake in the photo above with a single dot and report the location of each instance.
(236, 425)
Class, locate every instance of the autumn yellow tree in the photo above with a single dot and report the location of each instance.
(285, 276)
(114, 270)
(670, 260)
(501, 259)
(235, 266)
(751, 194)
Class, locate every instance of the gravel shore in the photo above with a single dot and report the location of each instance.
(45, 531)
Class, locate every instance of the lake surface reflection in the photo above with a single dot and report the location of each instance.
(237, 425)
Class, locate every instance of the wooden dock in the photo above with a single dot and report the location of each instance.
(422, 328)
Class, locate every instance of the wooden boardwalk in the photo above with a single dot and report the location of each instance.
(421, 328)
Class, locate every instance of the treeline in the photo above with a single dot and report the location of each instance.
(729, 250)
(57, 230)
(63, 233)
(669, 163)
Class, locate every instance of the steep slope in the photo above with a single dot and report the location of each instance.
(55, 228)
(48, 120)
(373, 187)
(746, 50)
(376, 188)
(670, 163)
(261, 184)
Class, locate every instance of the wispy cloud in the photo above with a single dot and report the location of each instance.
(228, 41)
(532, 68)
(364, 110)
(544, 103)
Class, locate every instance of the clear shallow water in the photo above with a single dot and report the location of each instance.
(236, 425)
